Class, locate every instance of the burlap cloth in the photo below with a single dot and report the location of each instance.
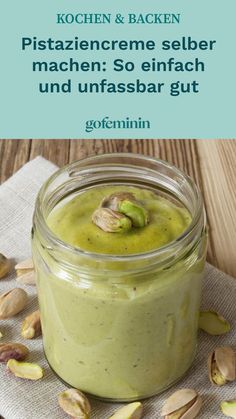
(22, 399)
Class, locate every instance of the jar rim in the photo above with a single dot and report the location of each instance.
(169, 248)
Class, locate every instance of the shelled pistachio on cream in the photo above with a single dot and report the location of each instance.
(184, 403)
(119, 212)
(125, 203)
(222, 366)
(213, 323)
(5, 266)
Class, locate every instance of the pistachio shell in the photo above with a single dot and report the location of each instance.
(25, 264)
(225, 360)
(213, 323)
(75, 403)
(27, 278)
(178, 414)
(12, 302)
(31, 326)
(130, 411)
(25, 272)
(13, 351)
(214, 374)
(193, 410)
(178, 400)
(111, 221)
(222, 365)
(113, 201)
(229, 408)
(5, 266)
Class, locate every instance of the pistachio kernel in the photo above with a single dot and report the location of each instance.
(5, 266)
(130, 411)
(25, 370)
(213, 323)
(229, 408)
(75, 403)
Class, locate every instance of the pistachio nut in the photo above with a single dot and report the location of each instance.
(1, 335)
(75, 403)
(5, 266)
(222, 365)
(31, 326)
(111, 221)
(229, 408)
(183, 404)
(25, 369)
(213, 323)
(130, 411)
(12, 302)
(13, 351)
(127, 204)
(25, 272)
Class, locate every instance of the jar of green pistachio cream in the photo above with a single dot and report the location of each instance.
(119, 245)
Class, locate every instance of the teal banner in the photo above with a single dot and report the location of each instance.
(88, 69)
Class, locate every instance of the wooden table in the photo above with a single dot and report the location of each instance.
(211, 163)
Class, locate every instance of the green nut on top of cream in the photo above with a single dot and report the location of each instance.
(119, 220)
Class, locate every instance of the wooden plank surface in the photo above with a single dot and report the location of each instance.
(212, 164)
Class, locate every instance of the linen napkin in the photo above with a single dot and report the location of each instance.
(22, 399)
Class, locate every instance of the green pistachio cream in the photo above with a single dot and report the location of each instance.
(131, 335)
(73, 223)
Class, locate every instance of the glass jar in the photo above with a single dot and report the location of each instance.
(119, 327)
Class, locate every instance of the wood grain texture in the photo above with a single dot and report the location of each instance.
(212, 164)
(218, 168)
